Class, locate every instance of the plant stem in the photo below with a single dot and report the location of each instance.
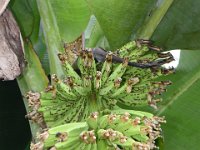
(33, 78)
(148, 28)
(52, 36)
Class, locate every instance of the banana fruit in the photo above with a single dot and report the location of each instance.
(118, 129)
(102, 86)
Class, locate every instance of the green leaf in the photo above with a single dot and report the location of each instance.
(62, 21)
(33, 74)
(172, 24)
(153, 19)
(179, 27)
(71, 17)
(52, 36)
(41, 50)
(94, 36)
(181, 105)
(118, 19)
(27, 16)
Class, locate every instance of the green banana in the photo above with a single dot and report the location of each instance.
(103, 122)
(63, 89)
(97, 80)
(91, 65)
(87, 147)
(127, 49)
(80, 62)
(94, 146)
(62, 134)
(108, 103)
(134, 54)
(72, 127)
(118, 72)
(79, 113)
(48, 95)
(86, 111)
(68, 144)
(54, 112)
(92, 120)
(50, 103)
(75, 89)
(118, 129)
(132, 131)
(133, 113)
(106, 68)
(73, 98)
(69, 115)
(125, 89)
(124, 142)
(102, 144)
(70, 71)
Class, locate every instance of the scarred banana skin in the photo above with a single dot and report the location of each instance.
(98, 87)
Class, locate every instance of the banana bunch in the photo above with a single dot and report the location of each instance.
(144, 52)
(96, 88)
(119, 129)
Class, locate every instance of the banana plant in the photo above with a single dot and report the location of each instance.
(92, 95)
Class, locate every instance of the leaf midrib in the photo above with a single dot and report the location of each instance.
(148, 28)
